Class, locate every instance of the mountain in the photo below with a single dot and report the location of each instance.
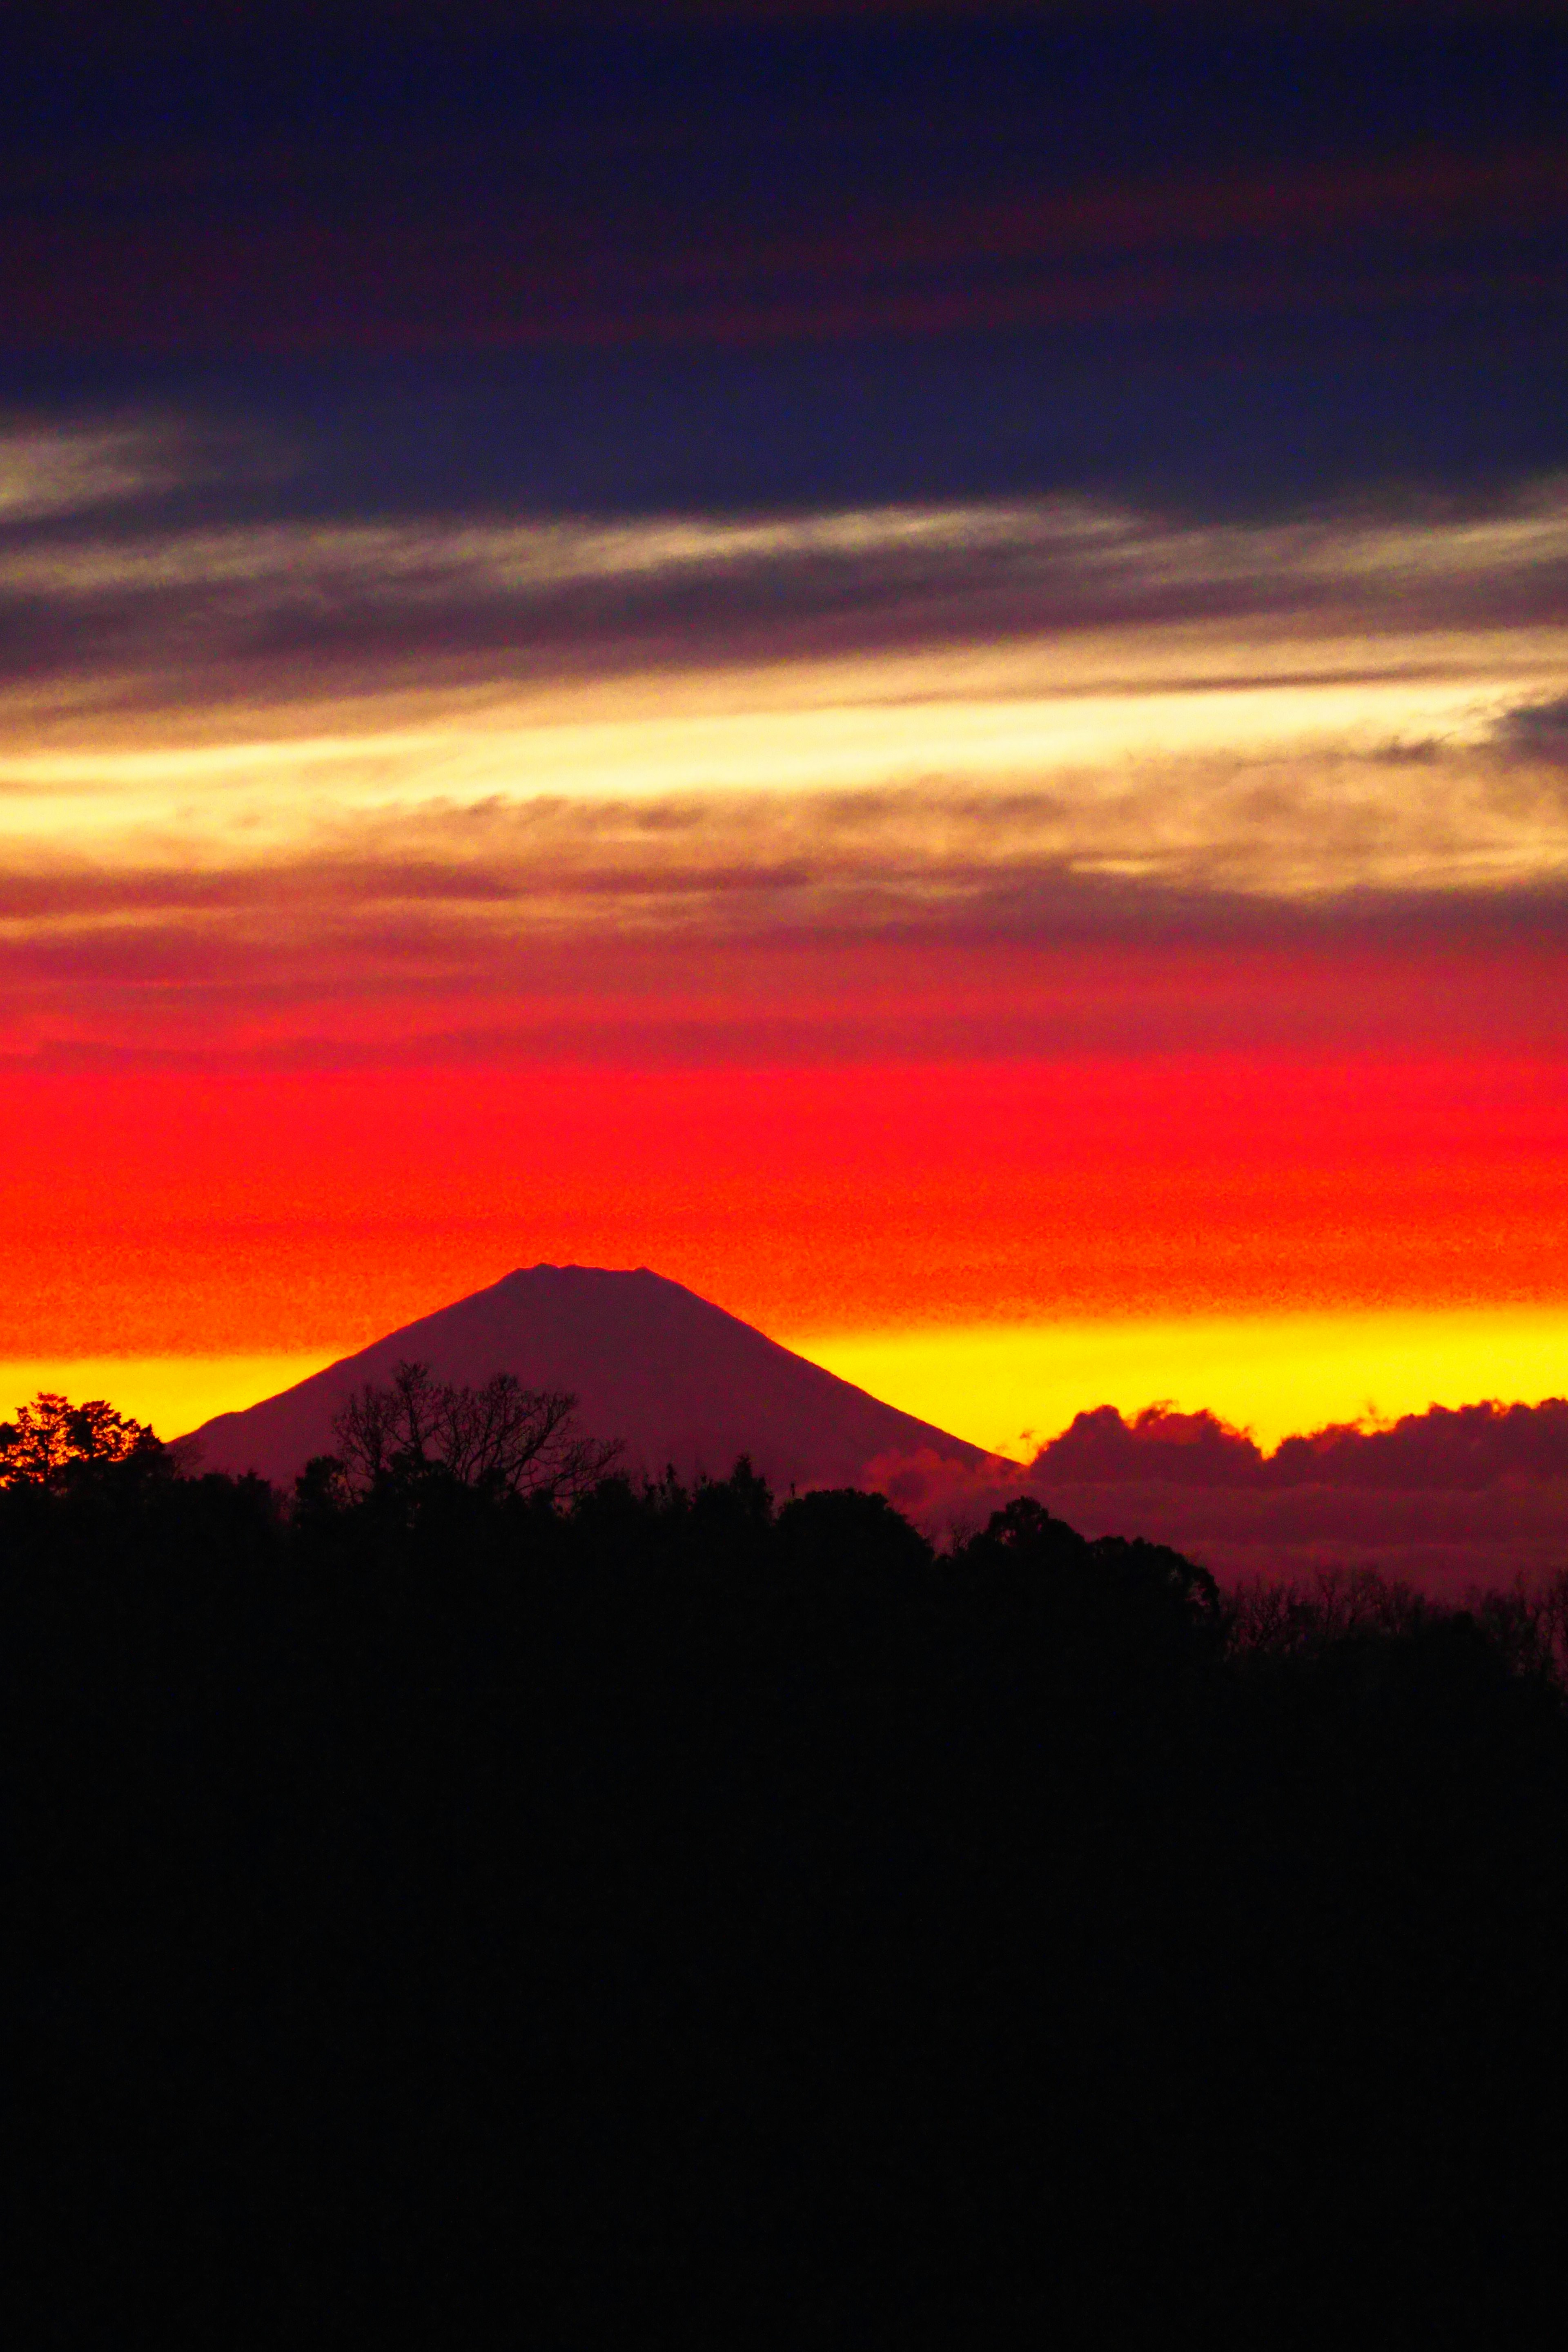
(675, 1378)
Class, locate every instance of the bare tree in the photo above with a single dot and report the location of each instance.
(510, 1439)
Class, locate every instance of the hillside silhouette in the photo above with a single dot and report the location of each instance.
(675, 1381)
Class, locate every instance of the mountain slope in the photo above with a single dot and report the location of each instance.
(677, 1379)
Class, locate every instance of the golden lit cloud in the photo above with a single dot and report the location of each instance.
(1341, 726)
(1290, 792)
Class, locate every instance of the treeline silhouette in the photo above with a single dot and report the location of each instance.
(635, 1913)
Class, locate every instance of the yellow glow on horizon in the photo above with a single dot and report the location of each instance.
(1009, 1387)
(170, 1393)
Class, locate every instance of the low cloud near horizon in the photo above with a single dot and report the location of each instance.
(1447, 1500)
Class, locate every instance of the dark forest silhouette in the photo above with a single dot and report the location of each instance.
(623, 1913)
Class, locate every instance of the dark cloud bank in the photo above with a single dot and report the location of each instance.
(1476, 1494)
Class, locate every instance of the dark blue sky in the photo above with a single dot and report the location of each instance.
(1233, 259)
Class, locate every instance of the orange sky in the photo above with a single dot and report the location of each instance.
(177, 1211)
(1194, 957)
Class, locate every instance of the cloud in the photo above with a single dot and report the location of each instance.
(313, 598)
(1446, 1448)
(52, 471)
(395, 755)
(1448, 1498)
(1537, 732)
(936, 919)
(507, 817)
(919, 235)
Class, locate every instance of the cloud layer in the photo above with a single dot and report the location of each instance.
(394, 758)
(180, 602)
(1447, 1500)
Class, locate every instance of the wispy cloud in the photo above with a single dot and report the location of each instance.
(1537, 733)
(57, 470)
(646, 820)
(1028, 721)
(179, 606)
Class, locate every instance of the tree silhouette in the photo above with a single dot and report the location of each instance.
(502, 1437)
(440, 1901)
(52, 1439)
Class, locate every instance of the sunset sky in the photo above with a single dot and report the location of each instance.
(914, 667)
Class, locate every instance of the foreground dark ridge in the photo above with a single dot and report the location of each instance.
(678, 1381)
(678, 1917)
